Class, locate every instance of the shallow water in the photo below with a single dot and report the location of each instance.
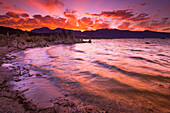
(132, 71)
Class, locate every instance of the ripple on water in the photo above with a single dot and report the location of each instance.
(136, 74)
(107, 68)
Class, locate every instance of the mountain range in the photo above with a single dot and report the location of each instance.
(107, 33)
(97, 34)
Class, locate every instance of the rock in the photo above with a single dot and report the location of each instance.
(32, 82)
(160, 85)
(147, 42)
(17, 80)
(39, 75)
(24, 90)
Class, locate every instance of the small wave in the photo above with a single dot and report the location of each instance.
(161, 71)
(155, 61)
(88, 73)
(45, 66)
(140, 58)
(79, 51)
(53, 57)
(78, 59)
(129, 73)
(165, 61)
(136, 50)
(163, 55)
(103, 54)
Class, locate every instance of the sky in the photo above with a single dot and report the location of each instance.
(134, 15)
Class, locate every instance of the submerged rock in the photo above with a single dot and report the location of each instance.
(147, 43)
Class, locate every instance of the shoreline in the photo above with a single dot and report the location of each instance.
(15, 101)
(12, 100)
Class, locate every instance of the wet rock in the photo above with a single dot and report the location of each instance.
(65, 95)
(147, 42)
(161, 85)
(25, 90)
(29, 75)
(39, 75)
(17, 80)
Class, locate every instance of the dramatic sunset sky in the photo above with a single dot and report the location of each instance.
(86, 14)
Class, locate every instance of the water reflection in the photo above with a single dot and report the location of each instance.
(122, 69)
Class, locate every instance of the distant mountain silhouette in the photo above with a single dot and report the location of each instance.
(4, 30)
(107, 33)
(42, 30)
(98, 34)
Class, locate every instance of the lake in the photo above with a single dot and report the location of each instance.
(111, 74)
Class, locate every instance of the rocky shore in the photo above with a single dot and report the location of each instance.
(23, 41)
(14, 101)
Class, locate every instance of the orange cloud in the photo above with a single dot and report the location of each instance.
(96, 15)
(166, 29)
(49, 6)
(70, 21)
(124, 26)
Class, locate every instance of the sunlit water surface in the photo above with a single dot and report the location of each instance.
(135, 71)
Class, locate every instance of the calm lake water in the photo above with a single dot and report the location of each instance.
(132, 71)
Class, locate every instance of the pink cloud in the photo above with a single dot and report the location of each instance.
(49, 6)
